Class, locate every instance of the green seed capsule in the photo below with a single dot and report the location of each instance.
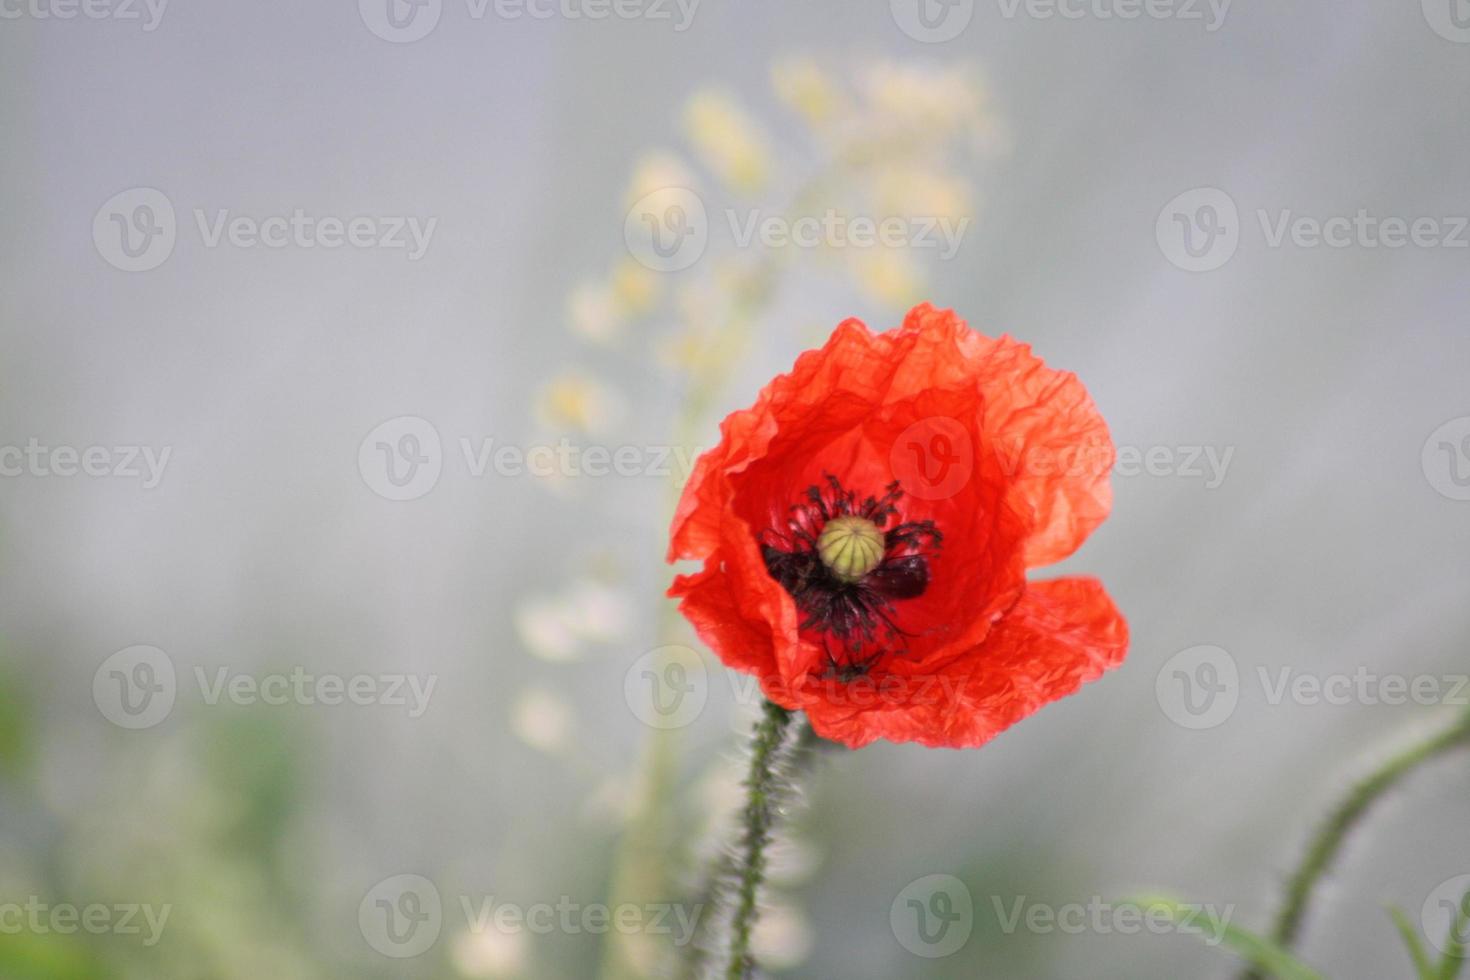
(850, 547)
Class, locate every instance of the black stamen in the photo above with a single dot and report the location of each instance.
(858, 615)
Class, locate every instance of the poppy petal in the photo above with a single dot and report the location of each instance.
(1061, 634)
(1046, 430)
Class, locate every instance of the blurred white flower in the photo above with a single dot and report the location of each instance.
(598, 310)
(657, 171)
(792, 860)
(489, 954)
(719, 794)
(782, 939)
(556, 627)
(599, 612)
(888, 276)
(593, 312)
(542, 719)
(729, 141)
(635, 287)
(920, 190)
(932, 102)
(572, 401)
(546, 629)
(804, 86)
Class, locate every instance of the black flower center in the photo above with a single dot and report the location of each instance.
(847, 568)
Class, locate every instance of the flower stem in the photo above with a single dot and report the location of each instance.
(761, 810)
(1343, 818)
(718, 878)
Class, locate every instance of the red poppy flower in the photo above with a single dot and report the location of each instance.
(867, 525)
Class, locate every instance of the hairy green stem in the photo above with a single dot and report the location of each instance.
(1348, 813)
(696, 953)
(761, 810)
(806, 748)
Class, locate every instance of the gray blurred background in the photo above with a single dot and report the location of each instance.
(1331, 377)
